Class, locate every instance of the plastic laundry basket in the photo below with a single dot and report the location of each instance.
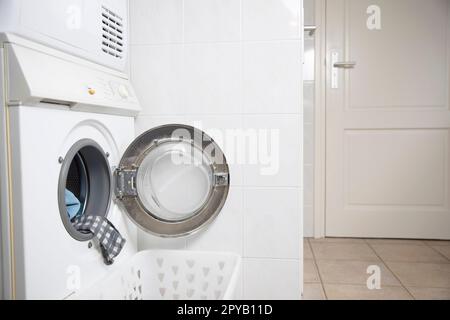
(171, 275)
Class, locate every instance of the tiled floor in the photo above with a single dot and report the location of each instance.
(337, 269)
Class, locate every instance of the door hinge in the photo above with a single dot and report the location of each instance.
(125, 183)
(221, 179)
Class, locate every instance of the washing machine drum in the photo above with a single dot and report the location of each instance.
(173, 180)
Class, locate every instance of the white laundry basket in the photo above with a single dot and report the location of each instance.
(171, 275)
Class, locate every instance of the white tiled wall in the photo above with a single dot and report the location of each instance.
(232, 64)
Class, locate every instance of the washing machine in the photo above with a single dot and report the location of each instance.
(67, 123)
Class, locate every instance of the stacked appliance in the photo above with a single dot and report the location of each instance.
(67, 123)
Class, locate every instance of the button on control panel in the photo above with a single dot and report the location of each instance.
(99, 88)
(123, 91)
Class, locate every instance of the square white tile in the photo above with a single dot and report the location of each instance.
(272, 279)
(147, 241)
(272, 75)
(212, 78)
(240, 285)
(223, 129)
(156, 72)
(225, 233)
(212, 20)
(272, 226)
(271, 19)
(156, 21)
(276, 158)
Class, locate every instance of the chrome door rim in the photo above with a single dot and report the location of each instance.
(149, 221)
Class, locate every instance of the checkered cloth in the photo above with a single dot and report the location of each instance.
(111, 242)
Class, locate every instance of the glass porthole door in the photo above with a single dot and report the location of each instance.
(172, 180)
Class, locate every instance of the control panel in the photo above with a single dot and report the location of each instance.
(112, 90)
(70, 80)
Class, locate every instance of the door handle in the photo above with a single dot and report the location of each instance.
(344, 65)
(337, 64)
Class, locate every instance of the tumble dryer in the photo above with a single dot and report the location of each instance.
(67, 123)
(96, 30)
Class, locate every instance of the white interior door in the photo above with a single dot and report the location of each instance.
(388, 119)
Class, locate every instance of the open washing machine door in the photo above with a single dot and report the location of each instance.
(172, 180)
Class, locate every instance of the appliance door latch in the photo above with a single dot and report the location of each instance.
(125, 183)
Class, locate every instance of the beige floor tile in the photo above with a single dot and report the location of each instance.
(354, 292)
(311, 275)
(338, 240)
(444, 250)
(437, 243)
(424, 275)
(353, 272)
(396, 241)
(407, 253)
(313, 291)
(430, 293)
(340, 251)
(307, 253)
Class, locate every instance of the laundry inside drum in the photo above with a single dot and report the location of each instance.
(85, 186)
(77, 188)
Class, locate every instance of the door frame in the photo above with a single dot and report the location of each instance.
(320, 120)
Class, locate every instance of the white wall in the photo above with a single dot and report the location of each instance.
(309, 109)
(232, 64)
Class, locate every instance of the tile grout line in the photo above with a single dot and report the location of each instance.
(437, 251)
(318, 271)
(216, 42)
(387, 266)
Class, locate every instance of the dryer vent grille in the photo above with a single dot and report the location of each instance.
(112, 33)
